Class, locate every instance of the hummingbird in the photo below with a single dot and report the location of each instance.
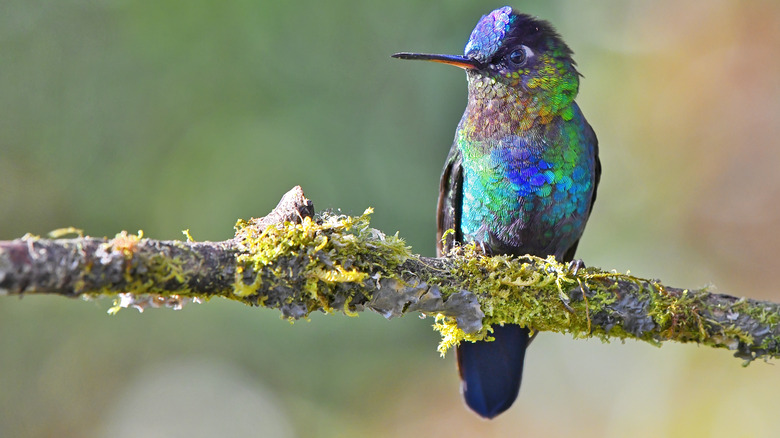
(521, 175)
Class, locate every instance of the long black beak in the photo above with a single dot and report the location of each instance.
(457, 61)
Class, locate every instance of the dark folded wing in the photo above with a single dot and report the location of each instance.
(448, 209)
(569, 256)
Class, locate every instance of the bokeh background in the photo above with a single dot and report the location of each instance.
(164, 115)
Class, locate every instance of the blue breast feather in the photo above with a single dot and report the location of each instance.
(527, 195)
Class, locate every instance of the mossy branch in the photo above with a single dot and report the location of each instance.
(294, 262)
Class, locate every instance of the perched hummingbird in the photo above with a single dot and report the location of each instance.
(520, 177)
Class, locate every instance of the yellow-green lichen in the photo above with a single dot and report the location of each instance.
(124, 243)
(62, 232)
(240, 288)
(147, 275)
(765, 315)
(528, 294)
(331, 252)
(520, 295)
(543, 294)
(452, 335)
(334, 262)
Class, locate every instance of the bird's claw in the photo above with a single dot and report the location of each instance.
(574, 266)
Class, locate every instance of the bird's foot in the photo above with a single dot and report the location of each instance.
(482, 248)
(574, 266)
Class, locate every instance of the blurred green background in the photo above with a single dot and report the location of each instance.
(164, 115)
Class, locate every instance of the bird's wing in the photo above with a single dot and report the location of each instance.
(591, 135)
(448, 209)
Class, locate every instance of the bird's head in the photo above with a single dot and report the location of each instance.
(508, 49)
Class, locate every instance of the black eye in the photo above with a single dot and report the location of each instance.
(517, 57)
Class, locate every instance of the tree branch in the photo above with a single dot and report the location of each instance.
(291, 261)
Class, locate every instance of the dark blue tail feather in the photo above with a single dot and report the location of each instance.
(490, 372)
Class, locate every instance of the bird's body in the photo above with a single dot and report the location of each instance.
(520, 189)
(520, 177)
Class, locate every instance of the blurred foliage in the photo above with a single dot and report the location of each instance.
(165, 115)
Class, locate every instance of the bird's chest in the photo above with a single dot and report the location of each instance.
(524, 195)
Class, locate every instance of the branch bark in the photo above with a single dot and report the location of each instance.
(296, 263)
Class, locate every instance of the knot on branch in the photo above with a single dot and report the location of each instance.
(306, 263)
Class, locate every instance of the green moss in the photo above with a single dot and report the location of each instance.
(242, 289)
(62, 232)
(334, 262)
(530, 294)
(766, 316)
(543, 294)
(335, 251)
(147, 276)
(452, 335)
